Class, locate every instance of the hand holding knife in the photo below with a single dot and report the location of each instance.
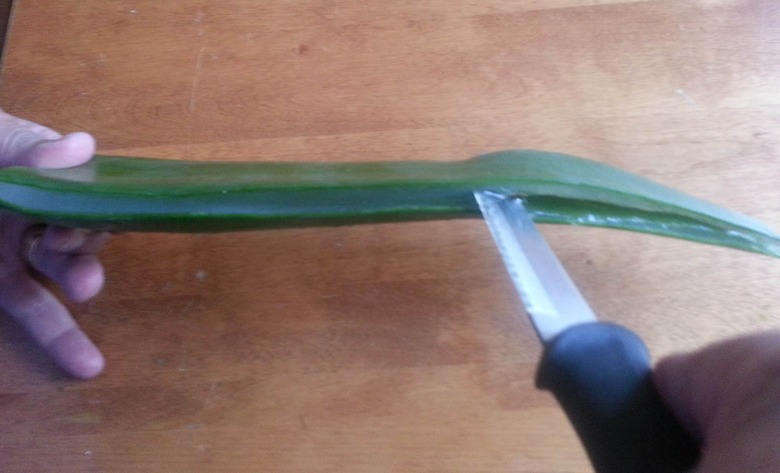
(599, 372)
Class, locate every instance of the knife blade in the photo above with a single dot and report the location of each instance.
(600, 373)
(551, 298)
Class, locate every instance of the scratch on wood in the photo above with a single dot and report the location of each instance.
(195, 80)
(685, 96)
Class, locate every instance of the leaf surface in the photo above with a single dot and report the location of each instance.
(140, 194)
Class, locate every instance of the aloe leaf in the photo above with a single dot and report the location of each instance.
(141, 194)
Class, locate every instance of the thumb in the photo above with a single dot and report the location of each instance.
(24, 143)
(728, 395)
(69, 150)
(673, 377)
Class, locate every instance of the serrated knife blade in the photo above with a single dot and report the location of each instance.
(551, 299)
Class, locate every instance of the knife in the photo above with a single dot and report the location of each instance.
(600, 373)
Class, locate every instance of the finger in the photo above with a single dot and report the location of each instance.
(50, 324)
(672, 377)
(12, 230)
(25, 143)
(74, 240)
(19, 136)
(70, 150)
(704, 386)
(81, 276)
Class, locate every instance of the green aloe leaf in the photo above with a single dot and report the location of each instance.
(141, 194)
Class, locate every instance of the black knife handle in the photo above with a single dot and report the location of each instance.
(601, 375)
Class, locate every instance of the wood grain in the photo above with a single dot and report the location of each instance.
(397, 347)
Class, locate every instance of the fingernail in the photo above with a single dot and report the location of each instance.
(30, 242)
(67, 239)
(71, 150)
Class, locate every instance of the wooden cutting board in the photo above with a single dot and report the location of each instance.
(398, 347)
